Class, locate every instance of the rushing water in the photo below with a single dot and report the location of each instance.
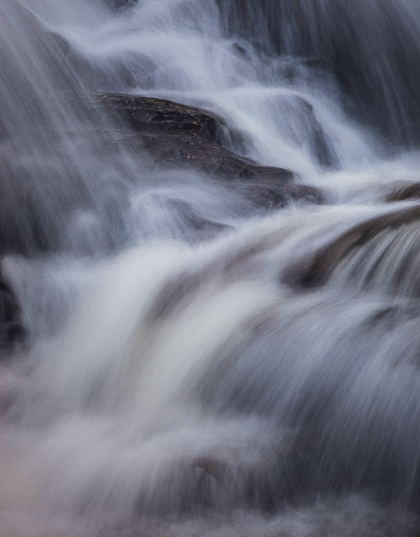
(263, 381)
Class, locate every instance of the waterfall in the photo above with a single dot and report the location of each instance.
(196, 361)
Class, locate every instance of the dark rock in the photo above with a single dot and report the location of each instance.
(120, 4)
(211, 158)
(148, 115)
(317, 138)
(405, 193)
(299, 124)
(180, 135)
(240, 50)
(271, 196)
(210, 465)
(11, 329)
(317, 268)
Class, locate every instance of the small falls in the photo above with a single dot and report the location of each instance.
(194, 362)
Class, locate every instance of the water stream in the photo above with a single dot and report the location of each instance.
(258, 380)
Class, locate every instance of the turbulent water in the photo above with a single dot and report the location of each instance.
(264, 380)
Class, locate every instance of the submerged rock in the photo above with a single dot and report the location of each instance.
(318, 268)
(404, 193)
(120, 4)
(303, 128)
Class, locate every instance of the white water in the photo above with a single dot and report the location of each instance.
(171, 385)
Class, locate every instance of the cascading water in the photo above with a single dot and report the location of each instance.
(254, 374)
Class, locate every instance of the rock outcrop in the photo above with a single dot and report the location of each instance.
(179, 135)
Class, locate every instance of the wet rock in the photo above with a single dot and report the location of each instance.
(240, 50)
(210, 465)
(271, 196)
(180, 135)
(316, 137)
(211, 158)
(405, 193)
(194, 221)
(317, 268)
(149, 115)
(299, 124)
(36, 208)
(120, 4)
(11, 329)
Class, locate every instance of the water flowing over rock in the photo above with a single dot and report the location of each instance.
(405, 193)
(209, 288)
(176, 134)
(372, 50)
